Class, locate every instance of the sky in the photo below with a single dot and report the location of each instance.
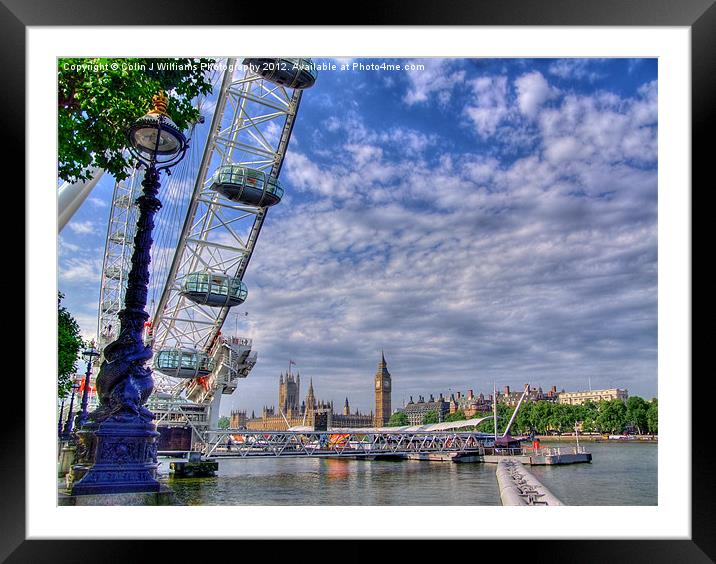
(481, 221)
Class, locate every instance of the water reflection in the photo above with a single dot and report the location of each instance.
(621, 474)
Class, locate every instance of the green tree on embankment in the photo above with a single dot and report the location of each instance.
(544, 417)
(69, 344)
(98, 99)
(431, 417)
(398, 419)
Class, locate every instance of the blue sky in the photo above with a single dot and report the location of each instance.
(480, 220)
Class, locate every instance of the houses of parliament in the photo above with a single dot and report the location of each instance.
(310, 410)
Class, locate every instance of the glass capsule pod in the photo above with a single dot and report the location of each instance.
(214, 289)
(118, 237)
(183, 363)
(247, 186)
(292, 73)
(110, 306)
(123, 202)
(113, 272)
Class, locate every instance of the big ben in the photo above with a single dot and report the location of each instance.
(382, 394)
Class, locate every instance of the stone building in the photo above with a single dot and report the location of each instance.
(382, 393)
(578, 398)
(290, 414)
(289, 394)
(471, 405)
(416, 411)
(238, 419)
(511, 399)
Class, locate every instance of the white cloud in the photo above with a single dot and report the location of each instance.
(80, 270)
(82, 227)
(580, 69)
(489, 106)
(438, 78)
(602, 128)
(97, 202)
(532, 92)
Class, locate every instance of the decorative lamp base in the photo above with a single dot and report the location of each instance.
(118, 455)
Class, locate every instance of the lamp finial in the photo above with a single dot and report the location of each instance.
(159, 104)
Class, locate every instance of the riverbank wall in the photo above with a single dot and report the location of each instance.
(595, 439)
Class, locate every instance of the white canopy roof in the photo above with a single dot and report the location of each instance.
(445, 426)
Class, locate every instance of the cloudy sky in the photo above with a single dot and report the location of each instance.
(481, 220)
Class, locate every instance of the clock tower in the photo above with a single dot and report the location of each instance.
(382, 393)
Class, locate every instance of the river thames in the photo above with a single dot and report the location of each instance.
(620, 474)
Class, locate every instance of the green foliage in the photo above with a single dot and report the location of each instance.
(431, 417)
(636, 414)
(457, 416)
(398, 419)
(97, 104)
(223, 422)
(652, 416)
(612, 416)
(503, 415)
(544, 417)
(69, 344)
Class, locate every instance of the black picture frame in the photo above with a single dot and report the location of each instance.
(698, 15)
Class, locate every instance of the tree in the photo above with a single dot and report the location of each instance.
(457, 416)
(652, 416)
(98, 99)
(636, 413)
(612, 416)
(431, 417)
(587, 413)
(398, 419)
(69, 344)
(223, 422)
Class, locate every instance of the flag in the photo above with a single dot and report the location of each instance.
(290, 362)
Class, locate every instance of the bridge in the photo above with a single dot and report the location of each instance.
(345, 443)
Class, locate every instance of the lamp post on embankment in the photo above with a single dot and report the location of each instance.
(59, 421)
(117, 451)
(67, 433)
(89, 354)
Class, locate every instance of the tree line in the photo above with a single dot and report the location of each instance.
(636, 415)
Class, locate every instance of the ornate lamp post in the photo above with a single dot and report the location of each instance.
(59, 422)
(68, 423)
(117, 451)
(89, 354)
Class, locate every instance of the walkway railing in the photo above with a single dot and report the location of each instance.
(336, 444)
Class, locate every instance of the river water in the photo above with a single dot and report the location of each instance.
(620, 474)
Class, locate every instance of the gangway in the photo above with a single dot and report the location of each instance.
(332, 444)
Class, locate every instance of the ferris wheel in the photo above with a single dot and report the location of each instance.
(213, 230)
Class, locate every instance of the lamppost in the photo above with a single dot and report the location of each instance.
(89, 354)
(117, 451)
(59, 421)
(68, 423)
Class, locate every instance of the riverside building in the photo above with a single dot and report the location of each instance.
(578, 398)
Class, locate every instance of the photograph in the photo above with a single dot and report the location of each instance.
(358, 281)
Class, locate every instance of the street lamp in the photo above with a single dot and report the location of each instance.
(59, 422)
(68, 423)
(117, 450)
(89, 354)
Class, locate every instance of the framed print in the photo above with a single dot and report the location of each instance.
(452, 203)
